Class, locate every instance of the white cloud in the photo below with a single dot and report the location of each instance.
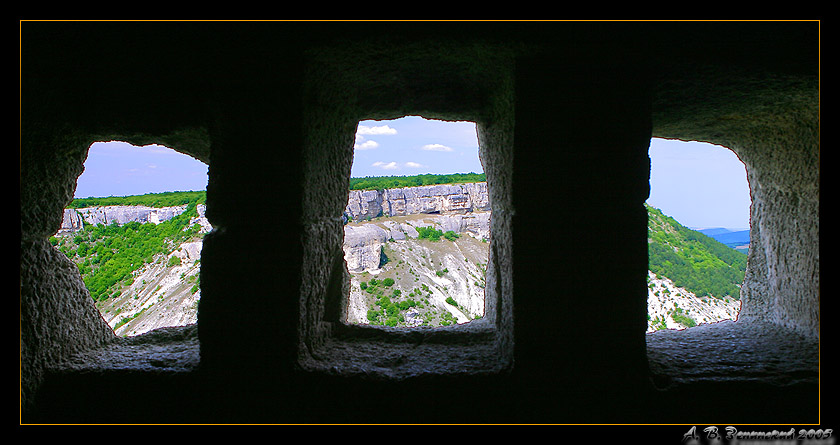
(382, 129)
(388, 166)
(366, 145)
(413, 164)
(436, 147)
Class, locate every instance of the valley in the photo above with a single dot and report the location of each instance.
(416, 256)
(413, 280)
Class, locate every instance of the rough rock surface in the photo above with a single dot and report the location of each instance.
(362, 245)
(74, 218)
(363, 241)
(443, 268)
(733, 351)
(443, 198)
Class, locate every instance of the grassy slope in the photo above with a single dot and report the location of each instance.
(693, 260)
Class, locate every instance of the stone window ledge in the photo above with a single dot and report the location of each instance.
(727, 351)
(397, 354)
(164, 350)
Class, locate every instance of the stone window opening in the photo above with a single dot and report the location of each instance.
(416, 246)
(703, 188)
(331, 344)
(80, 338)
(765, 342)
(163, 289)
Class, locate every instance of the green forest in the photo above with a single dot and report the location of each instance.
(157, 200)
(107, 255)
(692, 260)
(388, 182)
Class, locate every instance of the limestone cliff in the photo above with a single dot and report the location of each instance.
(74, 218)
(363, 241)
(442, 198)
(362, 245)
(435, 283)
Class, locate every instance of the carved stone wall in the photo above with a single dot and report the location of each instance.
(272, 107)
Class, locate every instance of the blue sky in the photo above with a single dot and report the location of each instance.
(413, 145)
(121, 169)
(700, 185)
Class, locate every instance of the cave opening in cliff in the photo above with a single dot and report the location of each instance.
(135, 229)
(416, 224)
(698, 234)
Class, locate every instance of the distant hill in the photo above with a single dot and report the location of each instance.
(714, 231)
(732, 238)
(693, 260)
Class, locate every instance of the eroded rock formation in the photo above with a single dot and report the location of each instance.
(362, 245)
(75, 218)
(443, 198)
(456, 207)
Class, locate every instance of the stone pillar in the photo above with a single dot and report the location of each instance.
(580, 231)
(250, 265)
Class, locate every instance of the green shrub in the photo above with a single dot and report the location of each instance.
(684, 320)
(452, 301)
(429, 233)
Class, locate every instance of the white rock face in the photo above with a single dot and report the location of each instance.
(73, 218)
(443, 199)
(161, 295)
(442, 268)
(71, 222)
(664, 299)
(362, 246)
(364, 204)
(363, 241)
